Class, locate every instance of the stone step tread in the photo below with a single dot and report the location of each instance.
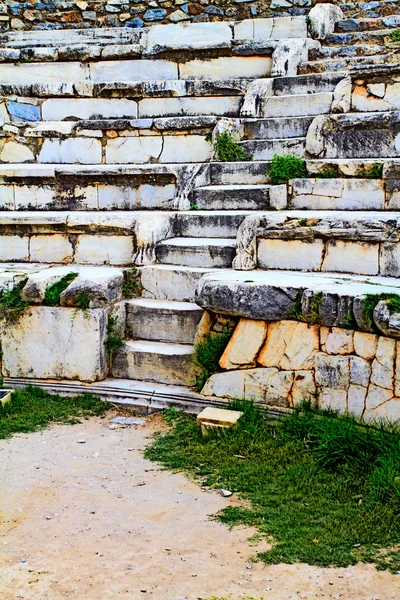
(368, 23)
(166, 348)
(165, 305)
(233, 187)
(186, 242)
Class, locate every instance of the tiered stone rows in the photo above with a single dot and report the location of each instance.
(102, 159)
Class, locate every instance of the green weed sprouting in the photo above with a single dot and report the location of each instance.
(327, 173)
(53, 292)
(11, 303)
(285, 167)
(227, 150)
(114, 337)
(130, 286)
(374, 172)
(370, 301)
(206, 356)
(395, 35)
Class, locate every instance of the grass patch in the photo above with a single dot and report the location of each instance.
(322, 488)
(53, 292)
(327, 173)
(395, 36)
(130, 286)
(32, 408)
(371, 300)
(114, 337)
(11, 303)
(286, 166)
(227, 150)
(374, 172)
(206, 356)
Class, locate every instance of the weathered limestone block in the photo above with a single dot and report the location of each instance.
(332, 371)
(342, 96)
(376, 396)
(84, 151)
(104, 250)
(339, 341)
(14, 152)
(389, 410)
(57, 109)
(387, 321)
(360, 371)
(14, 248)
(303, 388)
(55, 248)
(383, 365)
(390, 259)
(102, 286)
(333, 399)
(322, 20)
(244, 345)
(287, 56)
(351, 257)
(295, 255)
(356, 396)
(365, 344)
(55, 343)
(315, 142)
(35, 287)
(225, 67)
(361, 315)
(246, 244)
(148, 232)
(190, 36)
(290, 345)
(258, 90)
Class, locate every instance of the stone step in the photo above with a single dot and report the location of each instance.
(172, 282)
(345, 242)
(368, 24)
(209, 223)
(265, 149)
(275, 128)
(233, 197)
(306, 84)
(358, 37)
(341, 194)
(355, 50)
(297, 105)
(322, 65)
(196, 252)
(239, 173)
(156, 361)
(162, 320)
(141, 70)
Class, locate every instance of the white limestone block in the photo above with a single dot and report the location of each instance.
(57, 109)
(14, 152)
(390, 259)
(34, 289)
(104, 250)
(382, 376)
(297, 105)
(14, 248)
(290, 254)
(303, 388)
(23, 73)
(339, 341)
(134, 150)
(342, 96)
(113, 197)
(151, 196)
(365, 344)
(244, 30)
(356, 396)
(244, 345)
(54, 248)
(377, 396)
(132, 70)
(202, 105)
(7, 197)
(323, 19)
(389, 411)
(32, 196)
(227, 67)
(361, 101)
(84, 151)
(290, 345)
(333, 399)
(283, 27)
(351, 257)
(377, 89)
(360, 371)
(190, 35)
(185, 148)
(56, 343)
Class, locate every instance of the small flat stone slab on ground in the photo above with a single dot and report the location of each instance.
(217, 418)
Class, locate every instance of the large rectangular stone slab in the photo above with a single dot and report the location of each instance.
(133, 70)
(191, 35)
(56, 343)
(227, 67)
(84, 151)
(57, 109)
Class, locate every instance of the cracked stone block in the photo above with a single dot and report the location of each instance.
(360, 371)
(377, 396)
(293, 255)
(365, 344)
(58, 109)
(14, 248)
(339, 341)
(332, 371)
(333, 399)
(102, 286)
(13, 152)
(356, 396)
(84, 151)
(244, 345)
(290, 345)
(104, 250)
(351, 257)
(226, 67)
(56, 343)
(134, 150)
(54, 248)
(303, 388)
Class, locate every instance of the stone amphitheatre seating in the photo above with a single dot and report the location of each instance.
(105, 163)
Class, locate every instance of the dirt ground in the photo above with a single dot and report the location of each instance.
(94, 521)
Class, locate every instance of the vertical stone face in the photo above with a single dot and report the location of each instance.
(244, 345)
(56, 343)
(290, 345)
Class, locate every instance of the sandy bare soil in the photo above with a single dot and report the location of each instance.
(94, 521)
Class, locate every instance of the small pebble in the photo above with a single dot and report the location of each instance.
(81, 441)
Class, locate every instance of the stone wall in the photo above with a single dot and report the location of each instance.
(284, 362)
(80, 14)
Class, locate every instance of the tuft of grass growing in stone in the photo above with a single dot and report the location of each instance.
(371, 300)
(227, 150)
(285, 167)
(130, 286)
(53, 292)
(206, 356)
(11, 303)
(114, 337)
(323, 489)
(395, 35)
(32, 408)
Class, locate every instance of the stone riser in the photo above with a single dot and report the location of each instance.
(198, 252)
(265, 149)
(333, 255)
(297, 105)
(273, 128)
(172, 366)
(162, 321)
(174, 283)
(239, 173)
(323, 66)
(230, 198)
(136, 70)
(114, 150)
(196, 224)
